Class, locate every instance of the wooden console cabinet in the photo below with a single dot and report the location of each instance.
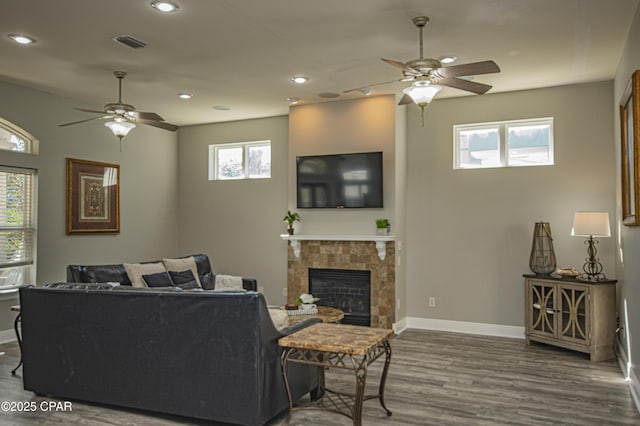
(571, 313)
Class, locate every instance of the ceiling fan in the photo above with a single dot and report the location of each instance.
(428, 75)
(124, 116)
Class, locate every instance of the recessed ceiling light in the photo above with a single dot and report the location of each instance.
(165, 6)
(221, 107)
(299, 79)
(22, 39)
(185, 95)
(448, 59)
(367, 92)
(293, 100)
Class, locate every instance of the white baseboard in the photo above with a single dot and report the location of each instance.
(629, 374)
(466, 327)
(7, 336)
(400, 326)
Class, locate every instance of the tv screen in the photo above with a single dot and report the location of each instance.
(340, 181)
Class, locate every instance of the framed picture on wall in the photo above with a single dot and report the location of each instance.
(93, 197)
(630, 132)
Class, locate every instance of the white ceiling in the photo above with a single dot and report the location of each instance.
(241, 53)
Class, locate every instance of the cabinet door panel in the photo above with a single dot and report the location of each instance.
(574, 314)
(542, 308)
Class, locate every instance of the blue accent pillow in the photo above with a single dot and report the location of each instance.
(160, 279)
(184, 279)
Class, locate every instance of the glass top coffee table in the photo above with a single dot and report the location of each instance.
(349, 347)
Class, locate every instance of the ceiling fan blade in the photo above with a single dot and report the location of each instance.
(406, 99)
(474, 68)
(402, 66)
(160, 124)
(145, 115)
(83, 121)
(90, 110)
(469, 86)
(357, 89)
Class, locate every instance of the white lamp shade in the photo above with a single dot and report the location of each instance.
(422, 94)
(591, 224)
(120, 128)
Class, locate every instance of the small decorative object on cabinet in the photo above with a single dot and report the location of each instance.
(592, 224)
(542, 260)
(570, 313)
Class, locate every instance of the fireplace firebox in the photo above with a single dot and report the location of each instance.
(346, 289)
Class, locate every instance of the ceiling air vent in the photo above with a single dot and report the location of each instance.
(130, 41)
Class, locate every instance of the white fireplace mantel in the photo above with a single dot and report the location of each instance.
(380, 240)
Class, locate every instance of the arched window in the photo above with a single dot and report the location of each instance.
(13, 138)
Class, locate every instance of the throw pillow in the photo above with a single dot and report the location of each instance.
(280, 318)
(228, 282)
(181, 264)
(161, 279)
(183, 279)
(135, 271)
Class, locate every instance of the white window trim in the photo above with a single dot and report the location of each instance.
(503, 127)
(9, 293)
(32, 144)
(213, 159)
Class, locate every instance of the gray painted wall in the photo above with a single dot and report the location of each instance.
(148, 184)
(341, 127)
(628, 253)
(469, 231)
(237, 223)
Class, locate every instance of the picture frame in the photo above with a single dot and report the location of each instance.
(93, 197)
(630, 139)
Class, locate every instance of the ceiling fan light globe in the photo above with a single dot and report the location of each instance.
(422, 94)
(120, 128)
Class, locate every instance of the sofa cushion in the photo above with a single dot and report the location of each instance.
(159, 279)
(228, 282)
(279, 318)
(183, 279)
(178, 265)
(208, 281)
(135, 271)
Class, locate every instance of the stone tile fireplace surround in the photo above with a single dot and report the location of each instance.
(356, 252)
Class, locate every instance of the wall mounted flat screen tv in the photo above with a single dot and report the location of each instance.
(339, 181)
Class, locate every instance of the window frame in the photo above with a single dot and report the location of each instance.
(29, 264)
(246, 146)
(503, 143)
(31, 143)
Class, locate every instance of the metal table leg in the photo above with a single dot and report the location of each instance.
(17, 330)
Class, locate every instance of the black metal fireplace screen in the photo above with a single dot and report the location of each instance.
(346, 289)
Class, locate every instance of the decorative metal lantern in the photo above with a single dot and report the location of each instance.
(542, 260)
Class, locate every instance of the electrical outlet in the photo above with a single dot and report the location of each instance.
(432, 302)
(284, 291)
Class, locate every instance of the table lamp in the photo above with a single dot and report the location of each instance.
(591, 224)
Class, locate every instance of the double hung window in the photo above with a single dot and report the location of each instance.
(17, 228)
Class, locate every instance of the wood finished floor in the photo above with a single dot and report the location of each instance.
(435, 378)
